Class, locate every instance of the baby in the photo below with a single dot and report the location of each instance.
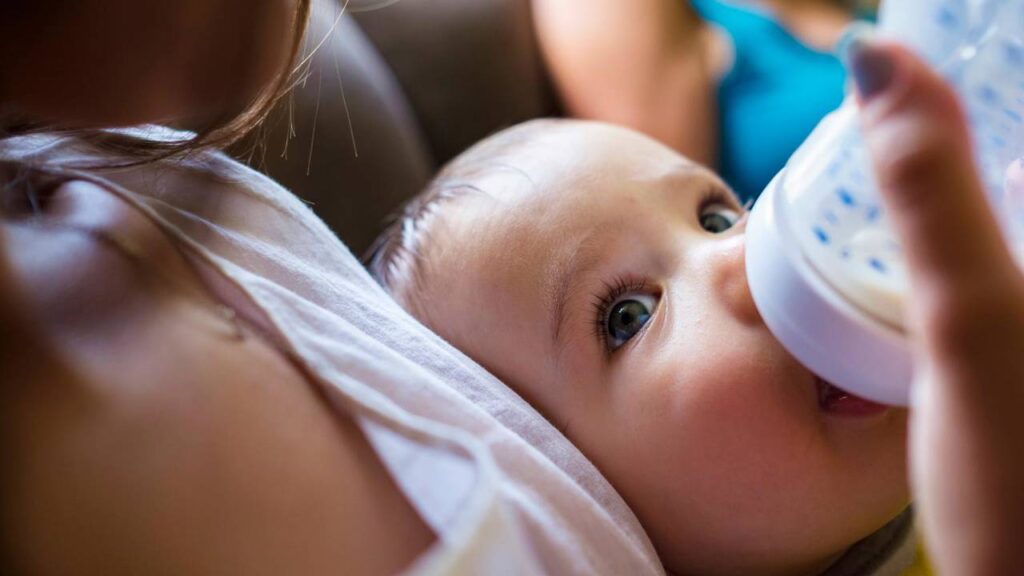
(601, 275)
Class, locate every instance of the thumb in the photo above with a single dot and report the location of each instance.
(918, 140)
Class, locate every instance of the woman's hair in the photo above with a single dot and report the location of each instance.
(219, 134)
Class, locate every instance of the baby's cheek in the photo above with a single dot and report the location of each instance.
(742, 414)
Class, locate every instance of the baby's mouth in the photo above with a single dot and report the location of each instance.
(834, 400)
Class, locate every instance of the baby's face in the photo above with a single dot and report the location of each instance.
(602, 276)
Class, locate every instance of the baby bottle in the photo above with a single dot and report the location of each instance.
(825, 268)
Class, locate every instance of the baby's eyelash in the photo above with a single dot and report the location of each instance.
(603, 300)
(717, 195)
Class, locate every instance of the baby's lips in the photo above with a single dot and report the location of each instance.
(834, 400)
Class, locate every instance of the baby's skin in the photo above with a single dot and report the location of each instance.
(601, 275)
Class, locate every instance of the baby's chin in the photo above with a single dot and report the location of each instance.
(869, 439)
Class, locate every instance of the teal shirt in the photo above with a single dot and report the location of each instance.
(776, 93)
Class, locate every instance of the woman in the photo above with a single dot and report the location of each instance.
(199, 379)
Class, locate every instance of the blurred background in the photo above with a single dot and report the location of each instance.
(394, 89)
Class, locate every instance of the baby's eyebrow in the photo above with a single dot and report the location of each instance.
(574, 263)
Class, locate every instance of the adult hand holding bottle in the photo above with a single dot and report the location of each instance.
(965, 315)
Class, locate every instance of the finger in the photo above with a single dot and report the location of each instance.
(918, 140)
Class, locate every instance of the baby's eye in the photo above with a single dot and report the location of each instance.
(626, 317)
(717, 217)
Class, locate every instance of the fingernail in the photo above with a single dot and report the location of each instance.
(853, 33)
(870, 65)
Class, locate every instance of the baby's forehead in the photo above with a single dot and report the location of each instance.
(601, 187)
(559, 153)
(557, 185)
(517, 216)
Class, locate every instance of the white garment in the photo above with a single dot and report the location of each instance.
(504, 491)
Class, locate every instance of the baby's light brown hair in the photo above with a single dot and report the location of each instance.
(398, 258)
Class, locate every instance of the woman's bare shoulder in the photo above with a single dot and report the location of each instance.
(155, 439)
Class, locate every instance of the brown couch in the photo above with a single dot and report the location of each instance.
(423, 80)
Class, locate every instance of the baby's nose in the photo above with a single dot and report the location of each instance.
(729, 279)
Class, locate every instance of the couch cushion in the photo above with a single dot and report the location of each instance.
(423, 81)
(467, 67)
(354, 165)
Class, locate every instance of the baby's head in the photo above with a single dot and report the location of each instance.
(601, 276)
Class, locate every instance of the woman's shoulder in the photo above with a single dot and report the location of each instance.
(375, 362)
